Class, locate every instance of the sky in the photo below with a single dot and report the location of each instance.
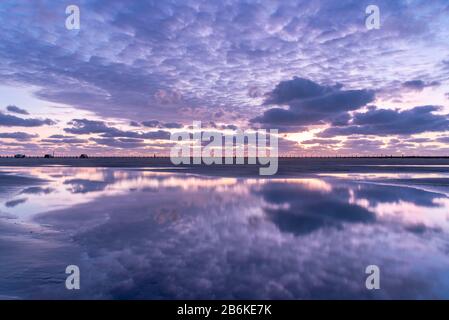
(136, 71)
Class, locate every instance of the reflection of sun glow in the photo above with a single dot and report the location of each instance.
(72, 186)
(312, 184)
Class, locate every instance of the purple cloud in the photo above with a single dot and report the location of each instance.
(7, 120)
(383, 122)
(15, 109)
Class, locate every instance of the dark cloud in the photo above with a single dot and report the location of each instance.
(151, 123)
(16, 109)
(384, 122)
(37, 190)
(172, 125)
(85, 126)
(19, 136)
(298, 88)
(159, 124)
(158, 135)
(7, 120)
(310, 103)
(15, 202)
(230, 127)
(419, 85)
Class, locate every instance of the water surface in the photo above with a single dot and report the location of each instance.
(140, 233)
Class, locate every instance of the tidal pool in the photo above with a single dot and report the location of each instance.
(147, 234)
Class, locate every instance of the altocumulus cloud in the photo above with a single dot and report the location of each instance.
(156, 57)
(19, 136)
(16, 109)
(383, 122)
(193, 60)
(121, 143)
(7, 120)
(310, 103)
(419, 85)
(61, 139)
(85, 126)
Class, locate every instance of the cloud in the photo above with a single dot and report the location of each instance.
(297, 88)
(16, 109)
(383, 122)
(15, 202)
(321, 141)
(7, 120)
(308, 211)
(85, 126)
(254, 92)
(85, 185)
(443, 139)
(37, 190)
(159, 124)
(172, 125)
(419, 85)
(116, 232)
(365, 145)
(158, 135)
(310, 103)
(121, 143)
(167, 96)
(203, 60)
(19, 136)
(229, 127)
(65, 141)
(151, 123)
(212, 54)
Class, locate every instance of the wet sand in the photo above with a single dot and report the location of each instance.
(138, 233)
(287, 166)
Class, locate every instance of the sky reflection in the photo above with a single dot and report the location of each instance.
(146, 234)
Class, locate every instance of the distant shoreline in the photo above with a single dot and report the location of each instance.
(280, 157)
(287, 166)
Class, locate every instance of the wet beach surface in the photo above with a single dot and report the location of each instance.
(145, 233)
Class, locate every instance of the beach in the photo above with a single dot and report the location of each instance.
(142, 229)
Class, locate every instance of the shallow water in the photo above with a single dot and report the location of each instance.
(148, 234)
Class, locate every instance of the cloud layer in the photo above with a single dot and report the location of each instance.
(293, 65)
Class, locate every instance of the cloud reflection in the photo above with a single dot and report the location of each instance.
(146, 234)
